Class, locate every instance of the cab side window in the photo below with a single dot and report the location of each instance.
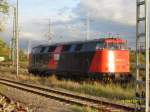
(52, 48)
(78, 47)
(66, 48)
(100, 45)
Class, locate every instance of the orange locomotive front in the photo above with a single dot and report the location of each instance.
(111, 58)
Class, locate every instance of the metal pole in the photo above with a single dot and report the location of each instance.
(137, 49)
(137, 44)
(49, 31)
(10, 50)
(29, 48)
(17, 42)
(147, 54)
(13, 38)
(109, 35)
(88, 26)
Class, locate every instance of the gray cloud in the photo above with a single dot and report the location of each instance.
(122, 11)
(106, 16)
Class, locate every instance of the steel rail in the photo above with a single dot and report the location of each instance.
(68, 97)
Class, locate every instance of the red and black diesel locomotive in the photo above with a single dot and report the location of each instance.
(101, 58)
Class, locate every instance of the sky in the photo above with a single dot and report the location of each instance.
(68, 20)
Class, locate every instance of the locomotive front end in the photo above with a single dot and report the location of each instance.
(118, 56)
(112, 59)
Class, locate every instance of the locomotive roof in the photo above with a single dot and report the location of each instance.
(107, 40)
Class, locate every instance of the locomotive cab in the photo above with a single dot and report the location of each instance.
(111, 58)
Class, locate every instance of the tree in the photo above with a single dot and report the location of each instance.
(4, 8)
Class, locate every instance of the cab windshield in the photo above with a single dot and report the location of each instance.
(112, 46)
(117, 46)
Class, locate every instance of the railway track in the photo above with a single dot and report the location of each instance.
(66, 97)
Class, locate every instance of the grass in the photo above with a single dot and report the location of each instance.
(111, 91)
